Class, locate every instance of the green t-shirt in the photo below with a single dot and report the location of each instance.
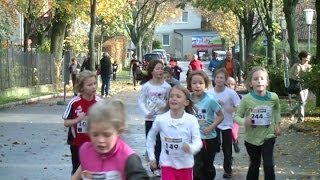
(259, 107)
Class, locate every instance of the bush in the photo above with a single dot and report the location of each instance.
(310, 80)
(156, 44)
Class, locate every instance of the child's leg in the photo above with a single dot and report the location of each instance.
(218, 147)
(74, 158)
(208, 158)
(183, 174)
(254, 153)
(227, 150)
(167, 173)
(267, 155)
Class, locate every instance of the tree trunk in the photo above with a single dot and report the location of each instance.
(271, 49)
(26, 34)
(317, 59)
(289, 8)
(92, 34)
(56, 48)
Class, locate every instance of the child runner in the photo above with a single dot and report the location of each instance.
(207, 107)
(152, 101)
(228, 100)
(260, 112)
(180, 137)
(107, 156)
(167, 76)
(75, 113)
(232, 84)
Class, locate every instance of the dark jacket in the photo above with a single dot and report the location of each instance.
(105, 66)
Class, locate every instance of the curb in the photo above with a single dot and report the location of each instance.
(35, 99)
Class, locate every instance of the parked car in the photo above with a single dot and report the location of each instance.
(149, 57)
(221, 55)
(163, 54)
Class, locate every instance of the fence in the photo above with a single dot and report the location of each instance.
(24, 69)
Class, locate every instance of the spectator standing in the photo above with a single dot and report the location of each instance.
(106, 73)
(232, 66)
(296, 70)
(135, 67)
(213, 65)
(74, 69)
(195, 64)
(86, 64)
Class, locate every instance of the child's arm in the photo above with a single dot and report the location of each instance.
(71, 122)
(142, 99)
(77, 174)
(219, 118)
(277, 116)
(196, 143)
(151, 141)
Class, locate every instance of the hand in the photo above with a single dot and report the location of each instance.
(248, 122)
(186, 148)
(153, 164)
(207, 130)
(277, 130)
(81, 117)
(230, 109)
(149, 115)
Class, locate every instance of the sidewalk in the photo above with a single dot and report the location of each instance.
(33, 144)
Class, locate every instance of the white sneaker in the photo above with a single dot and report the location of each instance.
(157, 173)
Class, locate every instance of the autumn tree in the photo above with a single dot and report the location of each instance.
(142, 13)
(244, 10)
(7, 19)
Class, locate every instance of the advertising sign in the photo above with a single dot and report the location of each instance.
(206, 41)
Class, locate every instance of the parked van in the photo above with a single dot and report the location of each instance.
(221, 55)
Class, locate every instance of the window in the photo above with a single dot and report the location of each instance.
(185, 16)
(165, 40)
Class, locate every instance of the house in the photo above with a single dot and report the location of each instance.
(183, 34)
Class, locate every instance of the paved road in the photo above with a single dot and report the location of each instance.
(33, 145)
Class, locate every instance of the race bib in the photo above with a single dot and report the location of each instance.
(82, 126)
(173, 147)
(111, 175)
(261, 116)
(202, 117)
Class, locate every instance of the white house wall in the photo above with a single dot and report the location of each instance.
(167, 28)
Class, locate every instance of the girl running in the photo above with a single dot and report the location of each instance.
(152, 101)
(107, 156)
(75, 113)
(260, 112)
(228, 100)
(180, 137)
(209, 115)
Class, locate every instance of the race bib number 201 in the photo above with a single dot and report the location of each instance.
(261, 116)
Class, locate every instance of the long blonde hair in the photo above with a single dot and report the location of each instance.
(250, 74)
(81, 77)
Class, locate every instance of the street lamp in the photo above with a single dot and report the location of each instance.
(283, 25)
(309, 17)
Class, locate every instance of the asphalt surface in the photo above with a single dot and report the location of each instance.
(33, 144)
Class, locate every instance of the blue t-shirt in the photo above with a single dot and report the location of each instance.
(207, 107)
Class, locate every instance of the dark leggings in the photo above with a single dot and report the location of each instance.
(255, 152)
(203, 166)
(74, 158)
(157, 147)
